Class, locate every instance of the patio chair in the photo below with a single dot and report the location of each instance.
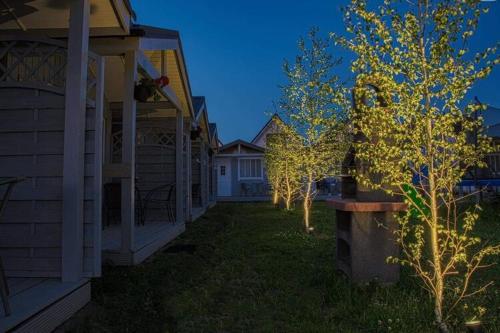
(244, 189)
(196, 193)
(162, 195)
(113, 203)
(4, 288)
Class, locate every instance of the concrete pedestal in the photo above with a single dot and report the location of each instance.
(365, 238)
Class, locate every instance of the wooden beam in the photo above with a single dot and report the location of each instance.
(179, 155)
(115, 170)
(128, 154)
(74, 141)
(144, 106)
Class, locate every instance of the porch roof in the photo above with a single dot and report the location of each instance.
(161, 53)
(51, 17)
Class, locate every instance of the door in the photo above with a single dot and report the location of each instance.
(224, 178)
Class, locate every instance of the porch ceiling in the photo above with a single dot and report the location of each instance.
(107, 17)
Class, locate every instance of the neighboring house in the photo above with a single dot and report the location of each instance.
(109, 177)
(202, 160)
(487, 178)
(241, 174)
(214, 145)
(272, 126)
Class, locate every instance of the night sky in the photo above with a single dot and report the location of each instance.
(235, 49)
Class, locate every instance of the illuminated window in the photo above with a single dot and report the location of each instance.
(250, 168)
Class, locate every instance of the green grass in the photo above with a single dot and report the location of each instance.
(254, 270)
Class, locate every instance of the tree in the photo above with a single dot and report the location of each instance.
(282, 167)
(414, 70)
(314, 105)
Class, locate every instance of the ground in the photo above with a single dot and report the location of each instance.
(250, 268)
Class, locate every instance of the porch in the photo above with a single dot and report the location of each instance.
(146, 143)
(149, 238)
(42, 304)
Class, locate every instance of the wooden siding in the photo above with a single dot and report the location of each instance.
(31, 145)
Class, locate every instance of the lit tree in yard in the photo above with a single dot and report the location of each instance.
(314, 105)
(417, 134)
(282, 168)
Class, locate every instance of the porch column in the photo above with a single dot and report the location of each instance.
(74, 140)
(189, 178)
(203, 175)
(179, 147)
(128, 154)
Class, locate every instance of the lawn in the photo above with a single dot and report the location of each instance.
(250, 268)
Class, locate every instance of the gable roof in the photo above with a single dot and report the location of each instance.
(243, 143)
(275, 117)
(199, 106)
(167, 39)
(491, 116)
(494, 131)
(212, 128)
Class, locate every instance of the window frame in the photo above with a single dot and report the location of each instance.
(261, 177)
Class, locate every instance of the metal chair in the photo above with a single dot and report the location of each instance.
(196, 194)
(113, 203)
(4, 288)
(161, 195)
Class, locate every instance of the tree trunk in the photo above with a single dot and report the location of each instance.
(276, 194)
(436, 256)
(288, 201)
(307, 204)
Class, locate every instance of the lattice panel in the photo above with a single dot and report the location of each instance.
(155, 136)
(33, 61)
(41, 63)
(92, 78)
(116, 143)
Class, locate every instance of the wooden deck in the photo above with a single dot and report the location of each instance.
(149, 238)
(42, 304)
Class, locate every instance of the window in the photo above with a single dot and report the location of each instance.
(222, 170)
(250, 168)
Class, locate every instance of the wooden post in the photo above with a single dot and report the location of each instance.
(203, 175)
(128, 153)
(189, 178)
(74, 140)
(179, 190)
(98, 164)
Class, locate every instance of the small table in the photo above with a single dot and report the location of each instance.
(4, 288)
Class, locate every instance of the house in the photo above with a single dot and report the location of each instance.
(214, 145)
(202, 160)
(108, 168)
(488, 178)
(241, 172)
(271, 127)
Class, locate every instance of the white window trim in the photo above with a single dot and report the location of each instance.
(251, 178)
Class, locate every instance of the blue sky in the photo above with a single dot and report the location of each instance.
(235, 49)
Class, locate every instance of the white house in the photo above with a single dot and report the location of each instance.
(108, 176)
(241, 174)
